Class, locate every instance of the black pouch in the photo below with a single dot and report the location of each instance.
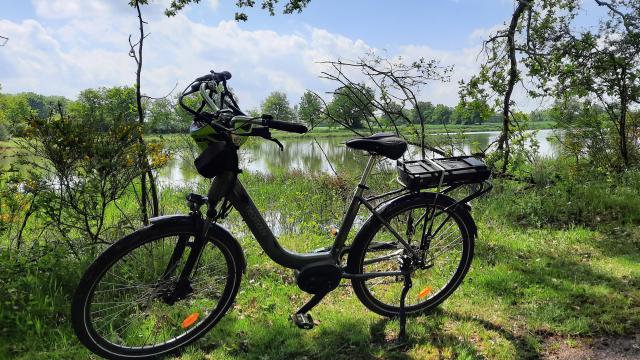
(215, 159)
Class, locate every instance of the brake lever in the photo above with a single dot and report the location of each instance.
(277, 142)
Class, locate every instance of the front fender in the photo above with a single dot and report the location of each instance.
(215, 231)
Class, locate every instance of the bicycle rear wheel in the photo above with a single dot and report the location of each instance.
(125, 306)
(376, 249)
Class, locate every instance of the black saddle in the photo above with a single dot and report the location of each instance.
(385, 144)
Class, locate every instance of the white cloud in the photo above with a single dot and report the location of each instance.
(64, 9)
(213, 4)
(465, 62)
(482, 34)
(90, 49)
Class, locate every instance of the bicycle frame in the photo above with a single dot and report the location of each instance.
(228, 186)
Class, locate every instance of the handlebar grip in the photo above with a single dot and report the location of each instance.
(286, 126)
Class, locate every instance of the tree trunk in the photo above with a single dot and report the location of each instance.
(503, 141)
(144, 162)
(622, 130)
(155, 204)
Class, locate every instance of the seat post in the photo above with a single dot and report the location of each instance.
(350, 215)
(365, 174)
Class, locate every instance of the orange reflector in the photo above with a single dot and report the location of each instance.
(190, 320)
(425, 292)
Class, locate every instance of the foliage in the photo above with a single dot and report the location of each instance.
(15, 112)
(310, 109)
(471, 112)
(605, 66)
(577, 197)
(397, 83)
(441, 114)
(277, 105)
(395, 114)
(562, 59)
(351, 105)
(425, 108)
(558, 282)
(165, 117)
(104, 106)
(290, 7)
(533, 25)
(81, 164)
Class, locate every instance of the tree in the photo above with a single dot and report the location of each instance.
(426, 108)
(474, 112)
(310, 109)
(4, 131)
(459, 115)
(441, 114)
(290, 7)
(534, 24)
(103, 105)
(135, 51)
(277, 105)
(162, 118)
(44, 105)
(586, 131)
(16, 113)
(351, 105)
(605, 65)
(394, 115)
(80, 167)
(397, 83)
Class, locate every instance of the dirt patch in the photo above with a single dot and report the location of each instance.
(610, 348)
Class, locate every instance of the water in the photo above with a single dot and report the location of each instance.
(325, 155)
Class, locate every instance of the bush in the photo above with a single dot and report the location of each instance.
(581, 199)
(78, 170)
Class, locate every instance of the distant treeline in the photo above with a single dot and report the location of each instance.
(165, 116)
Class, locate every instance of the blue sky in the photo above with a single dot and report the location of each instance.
(63, 46)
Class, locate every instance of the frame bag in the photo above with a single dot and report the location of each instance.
(215, 159)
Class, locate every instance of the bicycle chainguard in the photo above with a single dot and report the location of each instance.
(303, 321)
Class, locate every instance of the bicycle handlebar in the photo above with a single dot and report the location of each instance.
(285, 126)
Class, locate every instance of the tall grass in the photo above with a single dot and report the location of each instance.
(553, 262)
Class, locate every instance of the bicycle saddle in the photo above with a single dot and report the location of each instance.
(385, 144)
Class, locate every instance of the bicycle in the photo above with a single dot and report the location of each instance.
(165, 285)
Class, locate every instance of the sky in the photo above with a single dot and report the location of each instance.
(60, 47)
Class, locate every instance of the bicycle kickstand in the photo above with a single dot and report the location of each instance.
(406, 268)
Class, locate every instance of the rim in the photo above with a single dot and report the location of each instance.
(445, 257)
(126, 308)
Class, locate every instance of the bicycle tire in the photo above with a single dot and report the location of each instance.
(368, 235)
(84, 323)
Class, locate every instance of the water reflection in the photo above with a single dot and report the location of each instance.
(318, 156)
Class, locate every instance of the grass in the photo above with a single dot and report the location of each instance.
(429, 129)
(323, 131)
(533, 278)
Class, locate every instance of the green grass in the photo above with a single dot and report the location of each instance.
(534, 276)
(429, 129)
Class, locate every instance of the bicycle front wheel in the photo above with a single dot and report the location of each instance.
(130, 305)
(447, 260)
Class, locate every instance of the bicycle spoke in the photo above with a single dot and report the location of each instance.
(129, 299)
(446, 236)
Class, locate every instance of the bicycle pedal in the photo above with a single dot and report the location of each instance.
(303, 321)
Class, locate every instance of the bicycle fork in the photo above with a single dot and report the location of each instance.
(201, 228)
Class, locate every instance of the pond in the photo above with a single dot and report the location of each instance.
(327, 154)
